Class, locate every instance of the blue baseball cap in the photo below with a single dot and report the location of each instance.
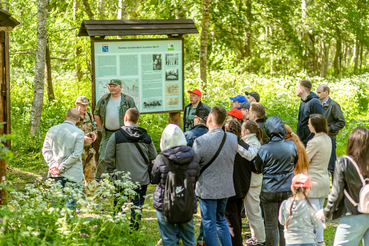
(239, 98)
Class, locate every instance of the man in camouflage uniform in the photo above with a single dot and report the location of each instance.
(86, 124)
(109, 115)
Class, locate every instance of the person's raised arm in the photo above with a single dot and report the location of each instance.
(249, 153)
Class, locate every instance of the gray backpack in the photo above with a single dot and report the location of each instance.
(179, 195)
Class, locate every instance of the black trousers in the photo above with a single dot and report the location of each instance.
(270, 203)
(234, 220)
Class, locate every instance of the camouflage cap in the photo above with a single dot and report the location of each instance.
(83, 100)
(115, 82)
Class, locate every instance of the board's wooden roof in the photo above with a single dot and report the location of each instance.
(94, 28)
(7, 21)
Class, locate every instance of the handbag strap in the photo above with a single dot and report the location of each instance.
(139, 149)
(357, 168)
(215, 156)
(361, 178)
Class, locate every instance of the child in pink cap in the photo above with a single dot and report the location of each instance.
(297, 214)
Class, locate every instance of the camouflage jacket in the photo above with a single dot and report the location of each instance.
(86, 124)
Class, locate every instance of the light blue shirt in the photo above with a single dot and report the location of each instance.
(325, 101)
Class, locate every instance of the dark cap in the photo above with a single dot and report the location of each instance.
(115, 82)
(245, 105)
(254, 95)
(202, 113)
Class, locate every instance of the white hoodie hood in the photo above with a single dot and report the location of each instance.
(172, 136)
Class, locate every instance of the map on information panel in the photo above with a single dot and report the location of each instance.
(151, 72)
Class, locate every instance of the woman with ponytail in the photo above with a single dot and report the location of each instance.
(302, 164)
(252, 135)
(297, 214)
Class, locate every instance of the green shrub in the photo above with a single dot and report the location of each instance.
(39, 215)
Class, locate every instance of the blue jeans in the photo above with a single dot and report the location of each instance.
(214, 222)
(201, 237)
(168, 231)
(137, 201)
(333, 158)
(351, 229)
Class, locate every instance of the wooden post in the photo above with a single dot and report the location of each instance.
(3, 108)
(175, 118)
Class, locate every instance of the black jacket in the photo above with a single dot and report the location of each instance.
(190, 121)
(311, 105)
(261, 124)
(334, 117)
(345, 177)
(242, 173)
(179, 156)
(276, 159)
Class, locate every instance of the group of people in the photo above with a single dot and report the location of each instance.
(248, 161)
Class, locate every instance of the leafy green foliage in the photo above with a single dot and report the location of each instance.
(40, 215)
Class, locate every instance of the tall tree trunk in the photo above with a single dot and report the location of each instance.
(314, 54)
(88, 9)
(78, 50)
(337, 57)
(325, 60)
(356, 54)
(204, 42)
(38, 88)
(49, 80)
(361, 55)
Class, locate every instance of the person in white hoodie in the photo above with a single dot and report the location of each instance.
(297, 214)
(174, 147)
(252, 135)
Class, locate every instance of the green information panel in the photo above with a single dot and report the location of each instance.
(151, 72)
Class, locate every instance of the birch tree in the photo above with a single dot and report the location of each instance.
(204, 42)
(38, 88)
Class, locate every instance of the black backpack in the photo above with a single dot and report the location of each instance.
(178, 201)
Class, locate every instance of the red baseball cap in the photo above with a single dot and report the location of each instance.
(301, 180)
(196, 91)
(236, 113)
